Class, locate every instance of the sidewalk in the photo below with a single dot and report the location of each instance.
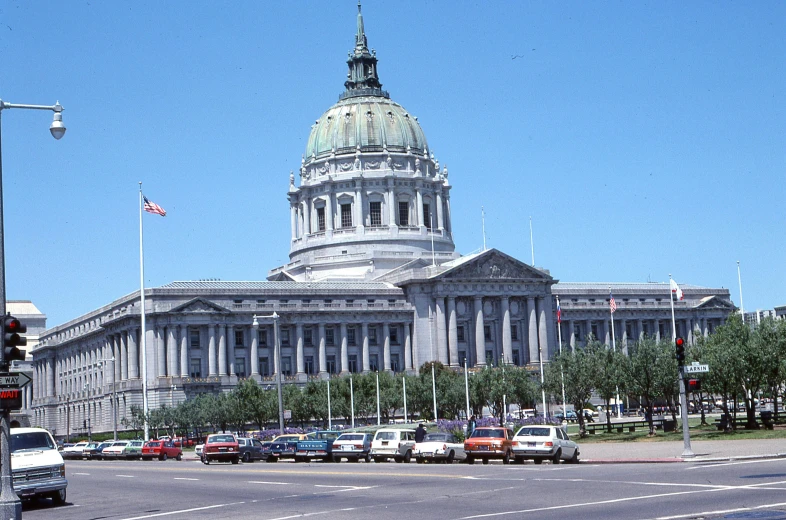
(671, 451)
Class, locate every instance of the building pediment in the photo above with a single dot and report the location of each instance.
(200, 306)
(494, 265)
(714, 302)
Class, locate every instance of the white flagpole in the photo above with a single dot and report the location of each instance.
(142, 313)
(531, 242)
(739, 280)
(614, 348)
(562, 374)
(483, 225)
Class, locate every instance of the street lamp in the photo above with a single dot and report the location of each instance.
(114, 396)
(378, 414)
(10, 505)
(277, 363)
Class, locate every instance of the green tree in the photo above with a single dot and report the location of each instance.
(577, 368)
(648, 363)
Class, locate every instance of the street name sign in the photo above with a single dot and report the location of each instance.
(696, 369)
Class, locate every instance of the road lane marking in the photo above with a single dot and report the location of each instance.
(272, 483)
(720, 512)
(125, 476)
(712, 465)
(315, 513)
(81, 473)
(184, 478)
(325, 485)
(181, 511)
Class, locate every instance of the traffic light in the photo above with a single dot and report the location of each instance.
(12, 339)
(694, 385)
(679, 344)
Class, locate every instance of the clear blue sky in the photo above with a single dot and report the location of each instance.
(643, 138)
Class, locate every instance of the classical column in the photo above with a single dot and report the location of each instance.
(440, 219)
(407, 347)
(640, 329)
(222, 351)
(391, 204)
(254, 351)
(704, 328)
(344, 348)
(184, 368)
(358, 205)
(231, 350)
(306, 216)
(124, 355)
(507, 341)
(572, 334)
(419, 208)
(624, 331)
(452, 332)
(532, 323)
(171, 351)
(211, 350)
(300, 360)
(656, 326)
(322, 349)
(386, 346)
(115, 339)
(543, 329)
(50, 377)
(480, 337)
(329, 208)
(364, 336)
(133, 355)
(607, 329)
(293, 220)
(442, 340)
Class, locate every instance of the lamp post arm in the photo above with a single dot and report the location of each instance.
(57, 107)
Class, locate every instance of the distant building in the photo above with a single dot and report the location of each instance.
(780, 312)
(755, 317)
(373, 283)
(35, 320)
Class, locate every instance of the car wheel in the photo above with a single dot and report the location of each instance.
(164, 456)
(506, 458)
(538, 461)
(59, 497)
(485, 461)
(470, 460)
(519, 460)
(575, 458)
(450, 458)
(247, 457)
(179, 456)
(408, 457)
(378, 459)
(205, 460)
(419, 460)
(367, 458)
(556, 458)
(398, 459)
(236, 460)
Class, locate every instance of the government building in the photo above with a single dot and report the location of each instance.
(373, 283)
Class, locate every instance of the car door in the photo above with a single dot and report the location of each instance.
(565, 446)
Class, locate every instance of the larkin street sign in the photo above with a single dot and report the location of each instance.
(696, 369)
(11, 389)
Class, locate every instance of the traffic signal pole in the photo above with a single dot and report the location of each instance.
(679, 343)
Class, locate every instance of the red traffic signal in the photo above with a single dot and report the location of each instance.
(12, 339)
(679, 345)
(694, 385)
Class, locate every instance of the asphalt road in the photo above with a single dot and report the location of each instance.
(115, 490)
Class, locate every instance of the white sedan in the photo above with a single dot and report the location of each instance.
(115, 451)
(544, 442)
(439, 447)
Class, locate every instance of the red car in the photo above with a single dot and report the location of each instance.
(221, 447)
(161, 450)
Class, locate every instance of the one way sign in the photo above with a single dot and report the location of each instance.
(17, 380)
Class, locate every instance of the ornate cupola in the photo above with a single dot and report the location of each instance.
(372, 196)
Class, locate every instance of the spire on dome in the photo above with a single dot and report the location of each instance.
(362, 78)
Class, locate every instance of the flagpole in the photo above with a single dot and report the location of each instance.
(686, 448)
(614, 348)
(739, 280)
(531, 242)
(562, 374)
(483, 225)
(142, 306)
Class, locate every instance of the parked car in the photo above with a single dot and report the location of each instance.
(115, 451)
(544, 442)
(161, 450)
(37, 467)
(98, 453)
(133, 450)
(75, 451)
(439, 447)
(489, 442)
(91, 451)
(221, 447)
(198, 449)
(283, 447)
(250, 449)
(393, 443)
(570, 415)
(353, 447)
(316, 445)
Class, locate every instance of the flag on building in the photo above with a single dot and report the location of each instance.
(676, 292)
(559, 312)
(152, 207)
(612, 303)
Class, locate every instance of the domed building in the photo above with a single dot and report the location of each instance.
(373, 283)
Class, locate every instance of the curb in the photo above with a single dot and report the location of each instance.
(663, 460)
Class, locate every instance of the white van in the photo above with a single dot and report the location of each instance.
(393, 443)
(38, 469)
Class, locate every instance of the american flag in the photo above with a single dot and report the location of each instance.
(612, 303)
(152, 207)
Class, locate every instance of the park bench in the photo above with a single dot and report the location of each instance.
(621, 426)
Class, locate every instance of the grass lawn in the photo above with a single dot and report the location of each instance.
(697, 433)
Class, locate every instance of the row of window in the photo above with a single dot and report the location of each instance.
(375, 215)
(308, 337)
(266, 365)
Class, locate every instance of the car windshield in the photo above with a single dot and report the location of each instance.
(535, 432)
(494, 434)
(285, 438)
(121, 443)
(153, 444)
(351, 437)
(437, 437)
(385, 436)
(220, 438)
(31, 441)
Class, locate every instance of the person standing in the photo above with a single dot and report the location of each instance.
(420, 433)
(471, 425)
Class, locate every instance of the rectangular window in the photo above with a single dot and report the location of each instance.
(375, 212)
(372, 335)
(577, 332)
(346, 215)
(331, 364)
(403, 213)
(240, 367)
(264, 367)
(309, 365)
(308, 338)
(263, 337)
(239, 339)
(427, 216)
(196, 368)
(462, 357)
(330, 337)
(194, 339)
(514, 332)
(284, 337)
(286, 365)
(373, 362)
(351, 336)
(516, 359)
(394, 335)
(353, 363)
(594, 330)
(394, 365)
(460, 333)
(321, 219)
(487, 332)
